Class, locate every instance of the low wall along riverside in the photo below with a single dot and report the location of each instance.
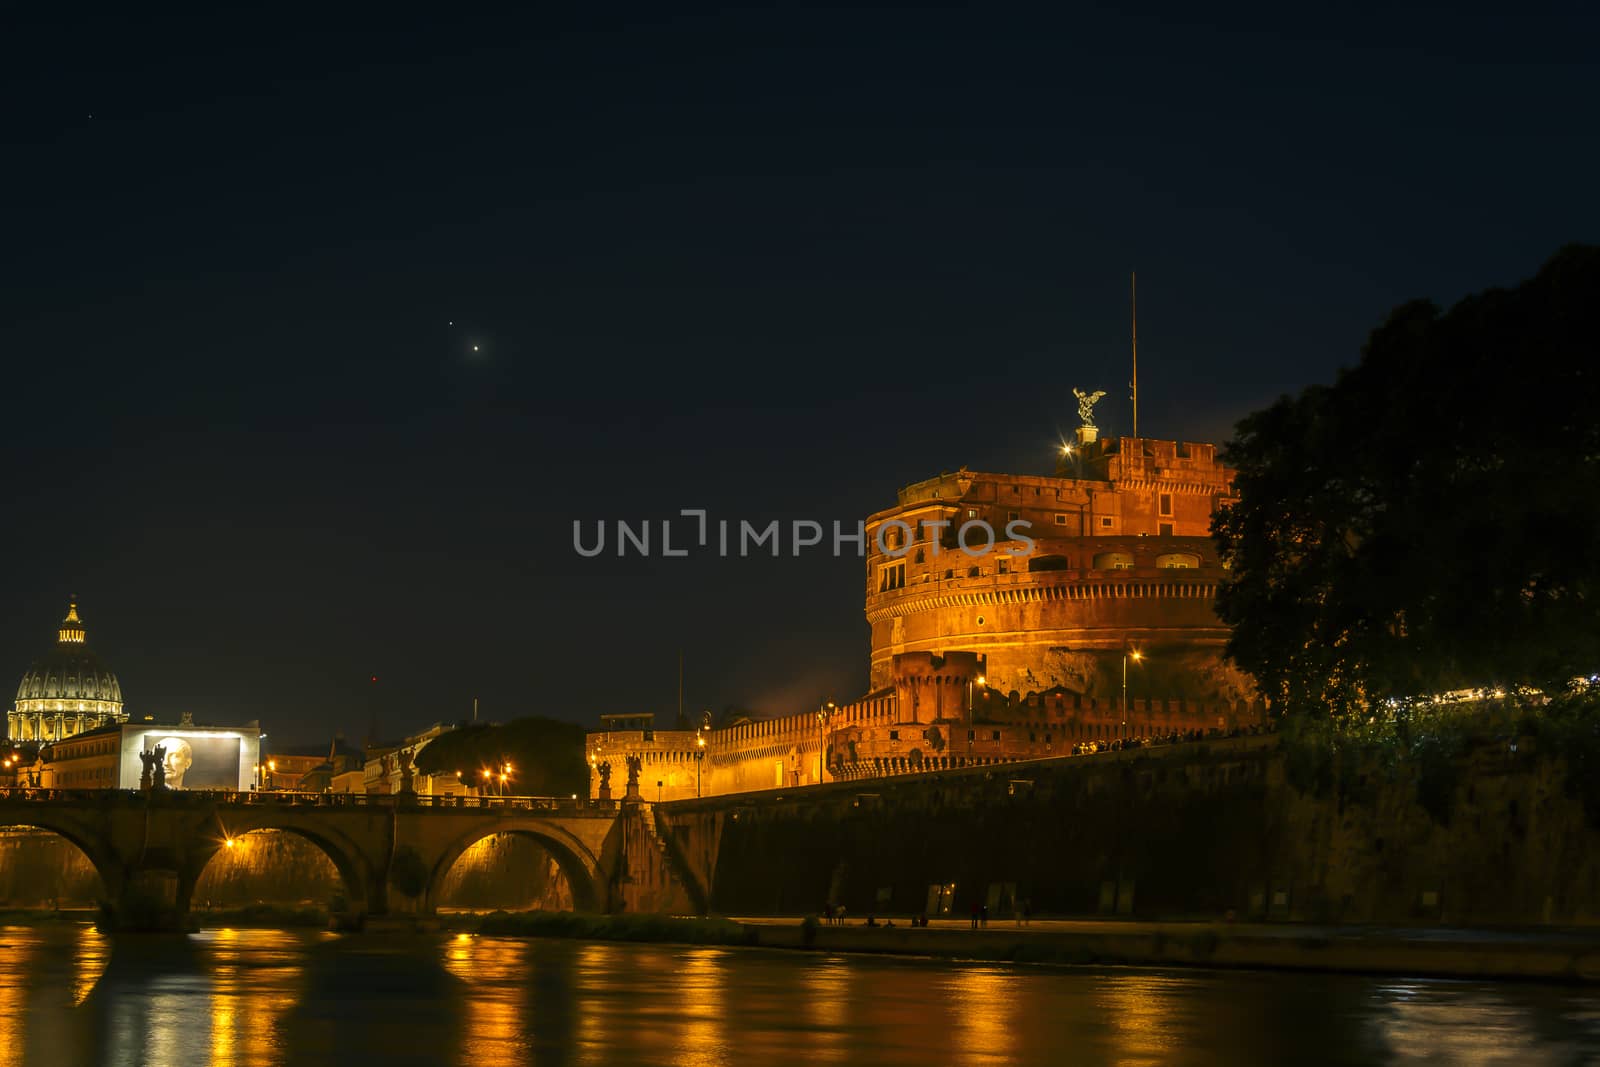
(1195, 830)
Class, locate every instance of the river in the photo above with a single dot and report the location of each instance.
(240, 997)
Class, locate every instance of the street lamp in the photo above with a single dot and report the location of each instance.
(699, 757)
(824, 713)
(1137, 656)
(971, 715)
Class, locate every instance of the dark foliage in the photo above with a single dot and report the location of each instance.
(1432, 520)
(546, 756)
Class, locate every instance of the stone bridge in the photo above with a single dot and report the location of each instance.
(155, 845)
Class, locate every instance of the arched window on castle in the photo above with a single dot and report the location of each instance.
(1113, 561)
(1182, 560)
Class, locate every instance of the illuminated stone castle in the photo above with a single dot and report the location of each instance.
(1112, 556)
(67, 691)
(1012, 617)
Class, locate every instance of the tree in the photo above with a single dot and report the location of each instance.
(1432, 519)
(546, 756)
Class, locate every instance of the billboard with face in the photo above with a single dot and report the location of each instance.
(193, 758)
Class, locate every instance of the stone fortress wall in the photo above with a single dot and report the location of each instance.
(923, 723)
(1015, 651)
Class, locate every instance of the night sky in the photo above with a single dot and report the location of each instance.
(320, 335)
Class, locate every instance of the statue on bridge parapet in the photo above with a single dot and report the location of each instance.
(154, 775)
(635, 764)
(604, 769)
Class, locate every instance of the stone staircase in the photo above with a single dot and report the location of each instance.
(667, 844)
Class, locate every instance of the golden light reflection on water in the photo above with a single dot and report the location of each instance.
(1146, 1014)
(982, 1004)
(90, 956)
(242, 997)
(496, 971)
(700, 980)
(592, 972)
(19, 946)
(829, 989)
(255, 979)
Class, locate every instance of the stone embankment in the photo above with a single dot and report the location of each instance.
(1545, 955)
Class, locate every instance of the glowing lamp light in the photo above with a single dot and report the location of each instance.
(228, 842)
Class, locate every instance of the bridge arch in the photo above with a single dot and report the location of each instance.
(346, 856)
(107, 865)
(572, 856)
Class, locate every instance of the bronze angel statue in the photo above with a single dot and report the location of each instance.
(1086, 402)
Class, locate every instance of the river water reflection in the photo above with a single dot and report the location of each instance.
(240, 997)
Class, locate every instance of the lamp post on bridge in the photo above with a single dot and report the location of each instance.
(1137, 657)
(972, 717)
(824, 713)
(699, 756)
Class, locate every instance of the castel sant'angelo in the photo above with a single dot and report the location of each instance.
(1013, 616)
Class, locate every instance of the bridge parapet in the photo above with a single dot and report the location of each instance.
(563, 807)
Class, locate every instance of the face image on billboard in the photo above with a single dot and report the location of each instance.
(198, 762)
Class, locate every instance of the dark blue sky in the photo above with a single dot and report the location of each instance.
(774, 264)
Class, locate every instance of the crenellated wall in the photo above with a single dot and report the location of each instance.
(939, 714)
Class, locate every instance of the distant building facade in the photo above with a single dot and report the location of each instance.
(385, 768)
(309, 768)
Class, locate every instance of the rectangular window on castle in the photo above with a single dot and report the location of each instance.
(1165, 529)
(1166, 503)
(891, 576)
(1105, 521)
(1061, 520)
